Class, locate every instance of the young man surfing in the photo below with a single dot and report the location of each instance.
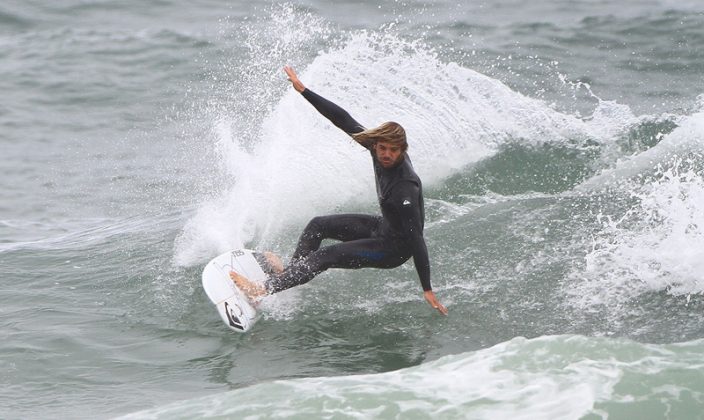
(385, 241)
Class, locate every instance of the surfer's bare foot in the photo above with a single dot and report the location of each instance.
(253, 290)
(275, 262)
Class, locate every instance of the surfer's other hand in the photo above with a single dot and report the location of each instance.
(434, 302)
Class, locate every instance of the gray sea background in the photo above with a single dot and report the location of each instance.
(561, 148)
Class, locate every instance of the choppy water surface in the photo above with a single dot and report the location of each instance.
(561, 150)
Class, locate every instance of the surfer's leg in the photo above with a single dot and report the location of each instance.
(372, 252)
(341, 227)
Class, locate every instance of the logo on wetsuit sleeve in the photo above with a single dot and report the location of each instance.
(406, 202)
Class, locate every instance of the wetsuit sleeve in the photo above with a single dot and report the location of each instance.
(406, 199)
(338, 116)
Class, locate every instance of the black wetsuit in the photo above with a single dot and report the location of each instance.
(385, 241)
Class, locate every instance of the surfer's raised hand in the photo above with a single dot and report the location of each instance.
(434, 302)
(294, 79)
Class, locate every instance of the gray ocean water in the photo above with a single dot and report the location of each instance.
(561, 145)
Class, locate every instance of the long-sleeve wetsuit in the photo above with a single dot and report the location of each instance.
(367, 241)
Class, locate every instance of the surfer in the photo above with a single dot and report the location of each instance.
(385, 241)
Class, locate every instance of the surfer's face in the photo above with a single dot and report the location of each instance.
(388, 154)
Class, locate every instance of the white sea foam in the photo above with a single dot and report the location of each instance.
(657, 244)
(547, 377)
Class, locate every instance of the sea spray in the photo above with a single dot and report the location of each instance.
(298, 165)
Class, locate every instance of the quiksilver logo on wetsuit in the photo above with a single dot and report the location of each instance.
(406, 203)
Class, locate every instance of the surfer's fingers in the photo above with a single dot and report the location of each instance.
(435, 303)
(290, 72)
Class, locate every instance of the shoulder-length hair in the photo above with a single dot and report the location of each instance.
(388, 132)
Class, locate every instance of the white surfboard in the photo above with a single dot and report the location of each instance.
(236, 311)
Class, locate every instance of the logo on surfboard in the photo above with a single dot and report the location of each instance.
(233, 319)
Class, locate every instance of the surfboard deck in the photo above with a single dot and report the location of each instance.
(235, 309)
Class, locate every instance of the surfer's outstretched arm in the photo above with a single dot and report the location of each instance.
(338, 116)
